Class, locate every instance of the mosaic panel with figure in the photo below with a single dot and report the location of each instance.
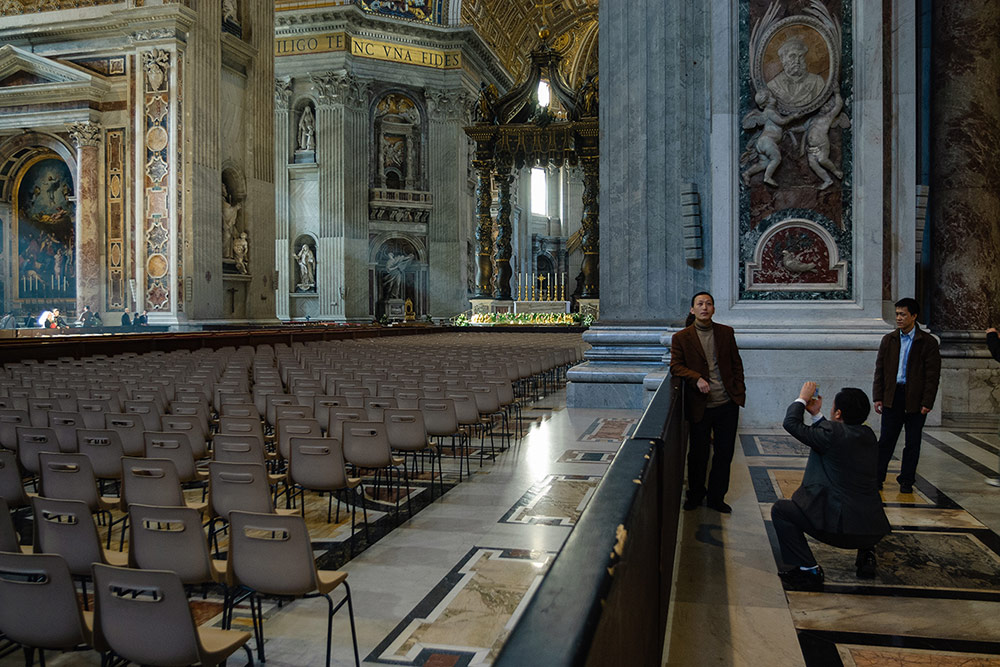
(46, 214)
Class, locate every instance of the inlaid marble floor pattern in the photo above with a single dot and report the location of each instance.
(446, 587)
(934, 601)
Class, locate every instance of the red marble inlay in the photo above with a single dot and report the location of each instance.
(792, 256)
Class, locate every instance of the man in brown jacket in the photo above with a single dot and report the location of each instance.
(907, 371)
(705, 355)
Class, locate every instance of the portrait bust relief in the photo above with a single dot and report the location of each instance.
(796, 58)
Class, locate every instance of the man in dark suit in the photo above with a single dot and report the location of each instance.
(705, 355)
(126, 320)
(838, 502)
(907, 371)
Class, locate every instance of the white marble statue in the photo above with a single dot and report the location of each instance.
(766, 141)
(241, 248)
(794, 85)
(307, 268)
(307, 130)
(816, 139)
(394, 276)
(229, 215)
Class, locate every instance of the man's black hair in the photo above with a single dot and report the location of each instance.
(911, 305)
(708, 294)
(853, 404)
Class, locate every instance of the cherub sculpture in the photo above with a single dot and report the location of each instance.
(767, 139)
(816, 139)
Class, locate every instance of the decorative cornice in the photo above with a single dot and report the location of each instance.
(85, 134)
(350, 19)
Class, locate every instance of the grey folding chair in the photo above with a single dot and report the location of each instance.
(271, 555)
(40, 610)
(143, 617)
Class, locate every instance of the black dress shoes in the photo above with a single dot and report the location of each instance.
(866, 564)
(691, 504)
(905, 488)
(803, 580)
(720, 506)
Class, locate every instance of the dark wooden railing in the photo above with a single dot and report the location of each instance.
(605, 599)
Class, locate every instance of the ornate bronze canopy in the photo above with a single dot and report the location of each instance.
(515, 131)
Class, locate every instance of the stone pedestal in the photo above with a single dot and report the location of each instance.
(541, 306)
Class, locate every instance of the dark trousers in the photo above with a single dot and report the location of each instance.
(894, 420)
(792, 526)
(715, 431)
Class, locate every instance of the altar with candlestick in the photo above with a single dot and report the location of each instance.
(541, 293)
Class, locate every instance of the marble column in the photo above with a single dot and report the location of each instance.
(503, 250)
(484, 228)
(965, 180)
(87, 139)
(282, 152)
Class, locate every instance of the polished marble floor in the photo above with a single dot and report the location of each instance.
(935, 600)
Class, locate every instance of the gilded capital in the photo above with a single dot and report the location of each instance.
(85, 134)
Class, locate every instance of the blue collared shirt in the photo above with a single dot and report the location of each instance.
(905, 343)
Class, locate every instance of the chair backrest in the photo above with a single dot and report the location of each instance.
(377, 405)
(65, 425)
(191, 425)
(66, 527)
(169, 538)
(271, 553)
(317, 463)
(39, 409)
(278, 399)
(466, 408)
(292, 411)
(321, 408)
(68, 477)
(173, 446)
(130, 429)
(240, 410)
(9, 421)
(92, 411)
(112, 396)
(40, 607)
(11, 485)
(104, 449)
(344, 414)
(148, 410)
(241, 426)
(9, 541)
(31, 441)
(230, 448)
(129, 603)
(440, 417)
(408, 398)
(405, 429)
(487, 400)
(355, 395)
(433, 389)
(238, 486)
(366, 444)
(179, 407)
(289, 427)
(150, 482)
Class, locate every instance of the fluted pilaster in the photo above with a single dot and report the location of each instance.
(447, 172)
(87, 139)
(282, 247)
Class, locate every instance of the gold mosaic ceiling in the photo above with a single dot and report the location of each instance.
(510, 27)
(15, 7)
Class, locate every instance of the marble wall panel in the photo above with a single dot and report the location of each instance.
(303, 200)
(795, 140)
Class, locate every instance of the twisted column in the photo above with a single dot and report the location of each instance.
(589, 226)
(484, 229)
(504, 232)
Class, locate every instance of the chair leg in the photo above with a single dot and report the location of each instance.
(329, 627)
(249, 655)
(354, 633)
(257, 621)
(409, 496)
